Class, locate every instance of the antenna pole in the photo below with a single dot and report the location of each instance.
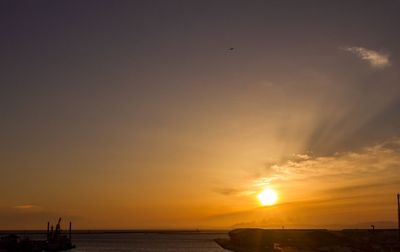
(398, 215)
(70, 230)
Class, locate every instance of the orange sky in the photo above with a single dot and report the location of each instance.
(137, 115)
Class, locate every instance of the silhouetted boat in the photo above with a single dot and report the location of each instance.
(56, 241)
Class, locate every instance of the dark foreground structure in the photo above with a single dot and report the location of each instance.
(264, 240)
(347, 240)
(55, 241)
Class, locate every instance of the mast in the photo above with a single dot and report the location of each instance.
(70, 230)
(398, 215)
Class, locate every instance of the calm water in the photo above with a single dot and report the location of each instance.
(194, 242)
(146, 242)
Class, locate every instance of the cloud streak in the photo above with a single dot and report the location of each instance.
(378, 158)
(374, 58)
(26, 206)
(320, 191)
(370, 170)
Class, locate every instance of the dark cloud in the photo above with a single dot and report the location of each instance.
(227, 191)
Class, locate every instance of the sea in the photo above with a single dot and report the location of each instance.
(146, 241)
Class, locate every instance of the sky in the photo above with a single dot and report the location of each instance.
(176, 114)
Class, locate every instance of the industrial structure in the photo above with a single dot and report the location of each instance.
(55, 241)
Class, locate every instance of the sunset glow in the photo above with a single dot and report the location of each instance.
(267, 197)
(196, 114)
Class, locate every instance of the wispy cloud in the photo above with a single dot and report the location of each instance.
(319, 191)
(365, 172)
(374, 58)
(26, 206)
(378, 158)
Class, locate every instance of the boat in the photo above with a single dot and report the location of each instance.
(55, 241)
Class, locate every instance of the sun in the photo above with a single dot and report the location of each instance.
(268, 197)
